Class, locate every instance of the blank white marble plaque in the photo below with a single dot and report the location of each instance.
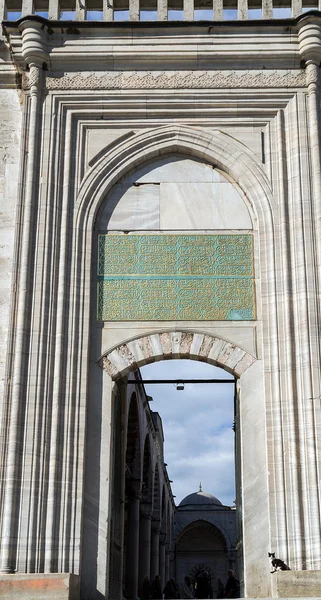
(131, 208)
(194, 206)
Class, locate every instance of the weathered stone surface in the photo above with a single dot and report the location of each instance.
(37, 586)
(297, 584)
(10, 134)
(127, 357)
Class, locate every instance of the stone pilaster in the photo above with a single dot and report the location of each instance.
(145, 541)
(162, 558)
(154, 561)
(33, 54)
(132, 556)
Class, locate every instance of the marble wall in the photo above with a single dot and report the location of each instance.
(240, 114)
(176, 193)
(10, 131)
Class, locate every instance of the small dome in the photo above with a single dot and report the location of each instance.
(200, 497)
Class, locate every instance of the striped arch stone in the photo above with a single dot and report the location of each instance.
(175, 344)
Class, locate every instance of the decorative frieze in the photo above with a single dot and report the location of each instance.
(177, 80)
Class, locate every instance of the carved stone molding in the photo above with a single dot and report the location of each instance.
(177, 80)
(312, 73)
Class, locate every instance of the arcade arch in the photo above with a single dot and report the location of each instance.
(155, 513)
(201, 543)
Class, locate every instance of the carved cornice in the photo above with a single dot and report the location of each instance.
(177, 80)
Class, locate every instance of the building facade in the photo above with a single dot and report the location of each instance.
(160, 198)
(205, 539)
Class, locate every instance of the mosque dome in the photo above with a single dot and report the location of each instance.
(200, 498)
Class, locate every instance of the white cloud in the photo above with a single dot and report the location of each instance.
(197, 422)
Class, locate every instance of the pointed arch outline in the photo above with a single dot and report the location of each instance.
(216, 147)
(209, 520)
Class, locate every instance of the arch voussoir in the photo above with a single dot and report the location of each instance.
(135, 353)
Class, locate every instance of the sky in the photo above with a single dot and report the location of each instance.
(197, 423)
(123, 15)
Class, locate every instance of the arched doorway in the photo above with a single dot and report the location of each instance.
(232, 345)
(202, 546)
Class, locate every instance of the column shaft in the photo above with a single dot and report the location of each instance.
(167, 565)
(144, 548)
(132, 548)
(162, 563)
(154, 562)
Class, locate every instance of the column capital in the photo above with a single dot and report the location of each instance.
(34, 43)
(134, 489)
(162, 538)
(156, 525)
(309, 34)
(146, 510)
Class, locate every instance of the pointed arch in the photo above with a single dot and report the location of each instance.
(206, 527)
(217, 148)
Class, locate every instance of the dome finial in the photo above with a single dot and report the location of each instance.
(200, 490)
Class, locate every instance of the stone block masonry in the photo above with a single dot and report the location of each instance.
(37, 586)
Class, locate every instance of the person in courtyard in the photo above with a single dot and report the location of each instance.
(171, 590)
(220, 588)
(146, 592)
(202, 585)
(232, 588)
(156, 588)
(187, 588)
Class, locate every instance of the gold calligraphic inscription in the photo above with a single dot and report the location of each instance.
(175, 277)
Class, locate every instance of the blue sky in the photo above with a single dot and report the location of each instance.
(197, 423)
(123, 15)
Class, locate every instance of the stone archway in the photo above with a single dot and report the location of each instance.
(123, 348)
(201, 547)
(171, 340)
(118, 361)
(176, 344)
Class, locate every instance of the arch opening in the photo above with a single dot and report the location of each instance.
(158, 521)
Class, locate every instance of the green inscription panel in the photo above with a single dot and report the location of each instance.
(175, 277)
